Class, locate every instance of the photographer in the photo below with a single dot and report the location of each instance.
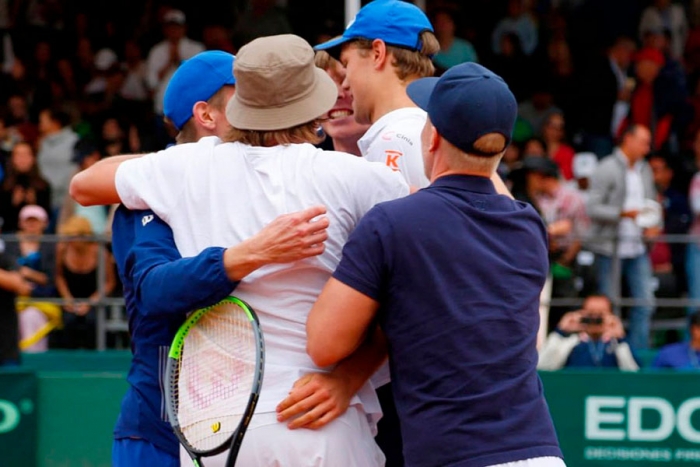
(588, 338)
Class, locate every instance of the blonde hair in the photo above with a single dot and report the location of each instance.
(323, 60)
(76, 226)
(409, 63)
(304, 133)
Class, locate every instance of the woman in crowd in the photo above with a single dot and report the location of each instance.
(23, 186)
(76, 278)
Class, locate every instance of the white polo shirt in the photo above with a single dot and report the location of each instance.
(219, 194)
(394, 140)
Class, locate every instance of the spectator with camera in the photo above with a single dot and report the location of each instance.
(592, 337)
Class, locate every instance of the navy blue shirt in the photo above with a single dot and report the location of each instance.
(595, 353)
(457, 271)
(160, 288)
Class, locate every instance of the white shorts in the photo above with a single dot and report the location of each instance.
(347, 441)
(535, 462)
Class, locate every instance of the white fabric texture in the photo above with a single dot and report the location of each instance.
(394, 140)
(535, 462)
(339, 447)
(214, 194)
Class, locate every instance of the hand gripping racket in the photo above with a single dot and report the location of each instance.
(213, 378)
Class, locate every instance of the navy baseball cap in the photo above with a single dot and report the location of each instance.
(396, 22)
(467, 102)
(196, 79)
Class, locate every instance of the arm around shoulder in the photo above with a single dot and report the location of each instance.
(96, 185)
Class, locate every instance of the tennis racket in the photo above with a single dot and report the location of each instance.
(213, 378)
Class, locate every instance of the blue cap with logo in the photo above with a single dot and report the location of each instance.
(467, 102)
(396, 22)
(196, 79)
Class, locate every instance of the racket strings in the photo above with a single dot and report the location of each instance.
(216, 371)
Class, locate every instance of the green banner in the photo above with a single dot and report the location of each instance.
(18, 418)
(617, 419)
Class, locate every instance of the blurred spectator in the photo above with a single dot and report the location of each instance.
(35, 260)
(583, 168)
(11, 285)
(55, 156)
(561, 74)
(166, 56)
(260, 18)
(564, 214)
(517, 22)
(23, 185)
(509, 63)
(692, 260)
(511, 159)
(663, 14)
(101, 91)
(554, 135)
(9, 136)
(85, 154)
(682, 355)
(76, 278)
(592, 337)
(620, 188)
(668, 259)
(20, 119)
(534, 146)
(603, 84)
(646, 97)
(537, 108)
(453, 50)
(340, 124)
(217, 37)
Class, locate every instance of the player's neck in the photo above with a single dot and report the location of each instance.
(392, 99)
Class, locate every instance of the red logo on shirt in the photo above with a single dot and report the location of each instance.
(392, 159)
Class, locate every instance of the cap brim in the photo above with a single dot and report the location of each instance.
(332, 46)
(420, 91)
(319, 101)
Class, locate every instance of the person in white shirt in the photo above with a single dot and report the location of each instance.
(212, 192)
(621, 190)
(166, 56)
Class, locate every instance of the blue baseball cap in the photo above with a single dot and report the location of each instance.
(196, 79)
(396, 22)
(467, 102)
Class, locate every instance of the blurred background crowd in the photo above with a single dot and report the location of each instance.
(82, 80)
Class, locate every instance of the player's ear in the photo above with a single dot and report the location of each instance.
(202, 115)
(434, 141)
(379, 53)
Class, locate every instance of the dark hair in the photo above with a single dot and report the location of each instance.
(58, 115)
(629, 130)
(31, 179)
(694, 319)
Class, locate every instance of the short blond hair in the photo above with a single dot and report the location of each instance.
(188, 132)
(490, 147)
(304, 133)
(76, 226)
(409, 63)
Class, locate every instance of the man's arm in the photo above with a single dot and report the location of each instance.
(598, 207)
(96, 185)
(338, 323)
(322, 397)
(164, 282)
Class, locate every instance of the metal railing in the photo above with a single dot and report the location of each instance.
(111, 316)
(619, 302)
(116, 321)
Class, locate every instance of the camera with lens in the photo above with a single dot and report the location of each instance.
(594, 320)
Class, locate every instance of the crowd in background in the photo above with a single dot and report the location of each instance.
(80, 81)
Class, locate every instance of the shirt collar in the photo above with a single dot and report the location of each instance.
(472, 183)
(378, 127)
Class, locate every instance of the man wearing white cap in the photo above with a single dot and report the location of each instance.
(219, 194)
